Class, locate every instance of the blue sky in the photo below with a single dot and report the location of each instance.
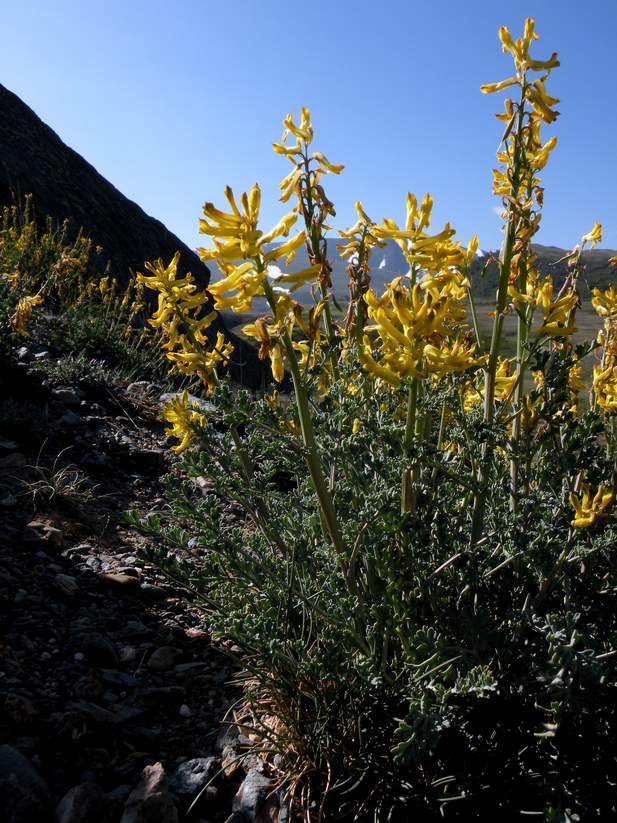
(172, 101)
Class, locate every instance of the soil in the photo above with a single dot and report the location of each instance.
(106, 668)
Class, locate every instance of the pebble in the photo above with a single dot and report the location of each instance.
(162, 658)
(66, 585)
(82, 804)
(67, 395)
(70, 419)
(185, 711)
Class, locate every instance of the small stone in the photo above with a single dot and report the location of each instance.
(39, 531)
(16, 460)
(42, 355)
(8, 501)
(197, 634)
(191, 776)
(162, 658)
(68, 396)
(66, 585)
(7, 445)
(20, 596)
(85, 803)
(130, 570)
(127, 654)
(70, 419)
(25, 795)
(153, 593)
(150, 801)
(24, 355)
(99, 650)
(253, 796)
(78, 657)
(119, 580)
(184, 711)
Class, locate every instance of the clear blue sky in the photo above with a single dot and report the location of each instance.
(173, 100)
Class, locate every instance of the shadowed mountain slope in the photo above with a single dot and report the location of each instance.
(34, 160)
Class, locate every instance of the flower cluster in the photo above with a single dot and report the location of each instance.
(590, 509)
(418, 325)
(180, 318)
(23, 313)
(185, 421)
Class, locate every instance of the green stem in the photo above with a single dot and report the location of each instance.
(407, 493)
(507, 250)
(308, 436)
(522, 334)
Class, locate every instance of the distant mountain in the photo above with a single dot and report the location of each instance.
(389, 262)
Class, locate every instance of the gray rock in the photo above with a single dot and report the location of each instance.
(42, 355)
(153, 593)
(70, 419)
(25, 796)
(99, 650)
(24, 355)
(67, 395)
(162, 658)
(37, 531)
(150, 801)
(66, 585)
(86, 803)
(254, 797)
(191, 776)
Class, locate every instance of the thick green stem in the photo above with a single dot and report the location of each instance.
(522, 335)
(507, 250)
(308, 436)
(407, 490)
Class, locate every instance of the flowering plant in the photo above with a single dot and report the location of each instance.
(414, 579)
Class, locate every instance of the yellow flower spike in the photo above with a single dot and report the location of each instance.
(304, 131)
(594, 236)
(589, 510)
(356, 426)
(23, 313)
(185, 421)
(605, 387)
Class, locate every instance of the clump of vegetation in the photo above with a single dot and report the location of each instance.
(49, 281)
(56, 487)
(423, 586)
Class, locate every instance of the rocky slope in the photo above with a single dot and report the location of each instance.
(113, 696)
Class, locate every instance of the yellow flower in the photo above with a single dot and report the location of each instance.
(605, 386)
(357, 425)
(23, 313)
(605, 303)
(184, 419)
(594, 236)
(558, 315)
(590, 509)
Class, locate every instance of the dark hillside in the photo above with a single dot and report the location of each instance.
(34, 160)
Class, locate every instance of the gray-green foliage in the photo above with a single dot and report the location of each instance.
(419, 677)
